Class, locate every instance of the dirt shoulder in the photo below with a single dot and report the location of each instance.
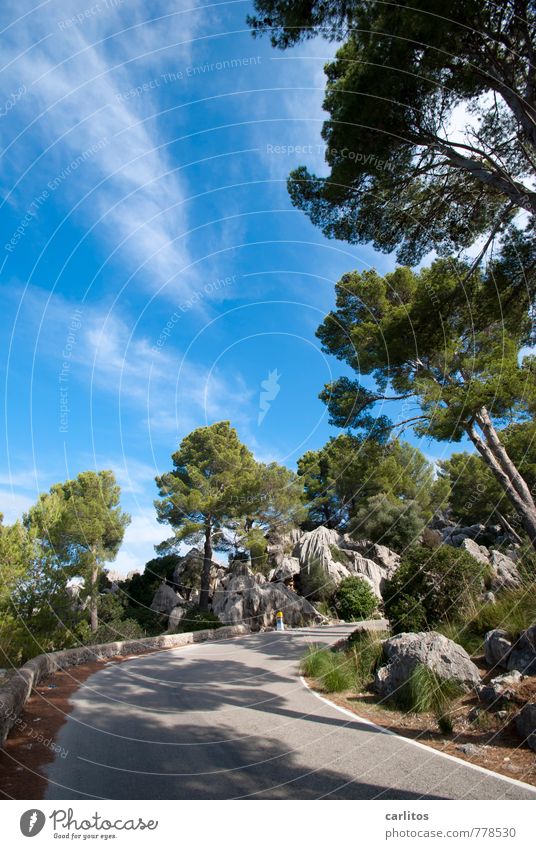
(31, 743)
(480, 737)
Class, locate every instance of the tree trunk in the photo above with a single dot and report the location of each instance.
(93, 613)
(207, 564)
(503, 468)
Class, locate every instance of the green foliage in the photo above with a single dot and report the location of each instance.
(217, 493)
(333, 671)
(406, 614)
(476, 496)
(354, 599)
(513, 610)
(389, 521)
(342, 477)
(366, 650)
(315, 584)
(315, 661)
(432, 586)
(454, 350)
(82, 523)
(339, 670)
(425, 691)
(197, 619)
(411, 187)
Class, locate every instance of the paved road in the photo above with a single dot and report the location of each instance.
(231, 719)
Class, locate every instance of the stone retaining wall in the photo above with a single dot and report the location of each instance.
(14, 694)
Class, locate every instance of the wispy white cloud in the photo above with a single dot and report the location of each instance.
(73, 78)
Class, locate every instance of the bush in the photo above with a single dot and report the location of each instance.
(355, 599)
(198, 620)
(425, 691)
(114, 631)
(389, 521)
(315, 661)
(406, 614)
(366, 649)
(432, 586)
(513, 611)
(315, 584)
(333, 671)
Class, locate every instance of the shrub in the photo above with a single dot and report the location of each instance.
(366, 648)
(315, 661)
(315, 584)
(355, 599)
(115, 630)
(389, 521)
(425, 691)
(406, 614)
(333, 671)
(198, 620)
(431, 586)
(513, 611)
(340, 675)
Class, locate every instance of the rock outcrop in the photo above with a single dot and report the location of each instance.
(500, 650)
(339, 556)
(187, 572)
(523, 653)
(404, 652)
(501, 689)
(242, 597)
(165, 599)
(505, 572)
(497, 647)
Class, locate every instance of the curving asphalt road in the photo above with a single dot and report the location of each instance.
(232, 719)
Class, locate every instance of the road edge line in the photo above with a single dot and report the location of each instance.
(408, 740)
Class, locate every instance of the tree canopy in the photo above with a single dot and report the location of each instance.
(81, 521)
(218, 493)
(344, 479)
(406, 72)
(449, 352)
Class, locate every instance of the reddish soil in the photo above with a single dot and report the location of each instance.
(496, 744)
(30, 744)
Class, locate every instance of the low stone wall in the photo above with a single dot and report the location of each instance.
(14, 694)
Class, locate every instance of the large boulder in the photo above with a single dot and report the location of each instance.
(523, 654)
(526, 724)
(176, 616)
(187, 572)
(497, 647)
(165, 599)
(405, 652)
(341, 557)
(479, 552)
(505, 574)
(243, 597)
(383, 556)
(286, 571)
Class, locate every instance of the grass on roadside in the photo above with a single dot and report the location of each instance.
(350, 669)
(513, 610)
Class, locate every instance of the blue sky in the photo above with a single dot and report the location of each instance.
(153, 269)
